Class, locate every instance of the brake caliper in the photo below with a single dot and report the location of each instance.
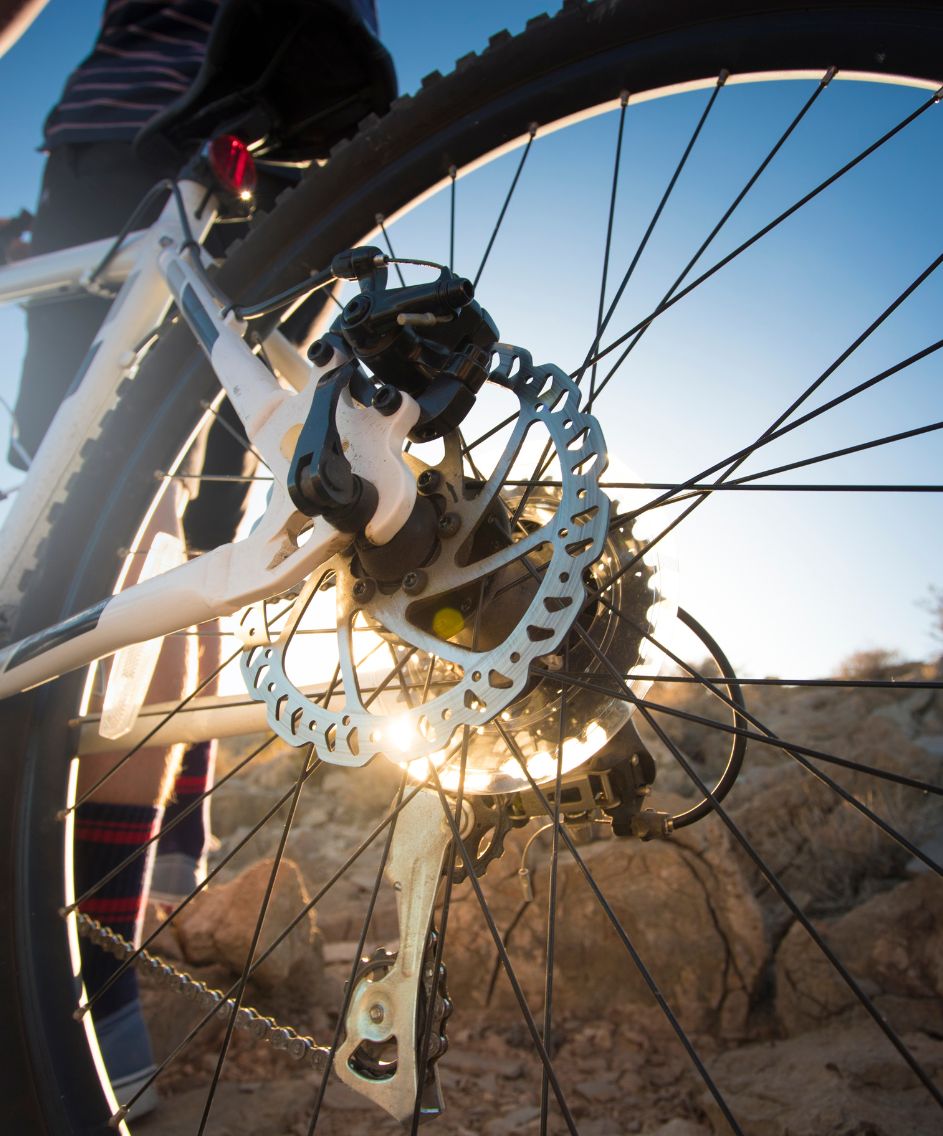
(430, 341)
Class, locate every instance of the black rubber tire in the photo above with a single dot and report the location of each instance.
(588, 53)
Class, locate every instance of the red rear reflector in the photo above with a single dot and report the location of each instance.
(232, 164)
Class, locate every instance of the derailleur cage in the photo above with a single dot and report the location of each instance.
(368, 1060)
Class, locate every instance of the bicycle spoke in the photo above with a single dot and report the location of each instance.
(792, 748)
(162, 475)
(256, 934)
(746, 481)
(778, 430)
(623, 935)
(768, 228)
(453, 173)
(358, 954)
(819, 774)
(772, 879)
(616, 163)
(799, 488)
(708, 240)
(552, 909)
(659, 209)
(505, 960)
(507, 202)
(857, 683)
(617, 691)
(233, 432)
(853, 392)
(386, 236)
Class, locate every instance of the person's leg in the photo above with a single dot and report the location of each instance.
(212, 518)
(88, 193)
(180, 863)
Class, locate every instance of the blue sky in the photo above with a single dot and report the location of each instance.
(789, 583)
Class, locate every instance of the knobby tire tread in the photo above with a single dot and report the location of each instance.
(585, 54)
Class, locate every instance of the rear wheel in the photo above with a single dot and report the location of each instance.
(566, 210)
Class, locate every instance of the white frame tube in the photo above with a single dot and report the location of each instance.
(57, 274)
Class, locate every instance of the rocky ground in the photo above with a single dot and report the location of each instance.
(791, 1050)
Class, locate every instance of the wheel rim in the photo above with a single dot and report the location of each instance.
(392, 231)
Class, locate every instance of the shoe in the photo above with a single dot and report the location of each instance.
(126, 1050)
(174, 876)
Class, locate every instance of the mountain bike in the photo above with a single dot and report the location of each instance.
(444, 510)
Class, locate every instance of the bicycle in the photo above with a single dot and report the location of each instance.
(493, 724)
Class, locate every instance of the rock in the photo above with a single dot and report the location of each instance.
(681, 1127)
(238, 806)
(513, 1121)
(892, 944)
(836, 1082)
(826, 854)
(603, 1126)
(932, 744)
(932, 847)
(599, 1089)
(684, 906)
(218, 927)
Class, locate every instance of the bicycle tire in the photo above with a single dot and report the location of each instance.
(586, 54)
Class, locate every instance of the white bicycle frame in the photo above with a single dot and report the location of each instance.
(155, 268)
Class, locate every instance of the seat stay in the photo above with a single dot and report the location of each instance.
(56, 275)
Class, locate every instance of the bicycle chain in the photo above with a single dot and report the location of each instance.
(262, 1028)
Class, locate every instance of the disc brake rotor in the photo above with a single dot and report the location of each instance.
(418, 670)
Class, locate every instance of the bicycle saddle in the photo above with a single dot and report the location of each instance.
(294, 76)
